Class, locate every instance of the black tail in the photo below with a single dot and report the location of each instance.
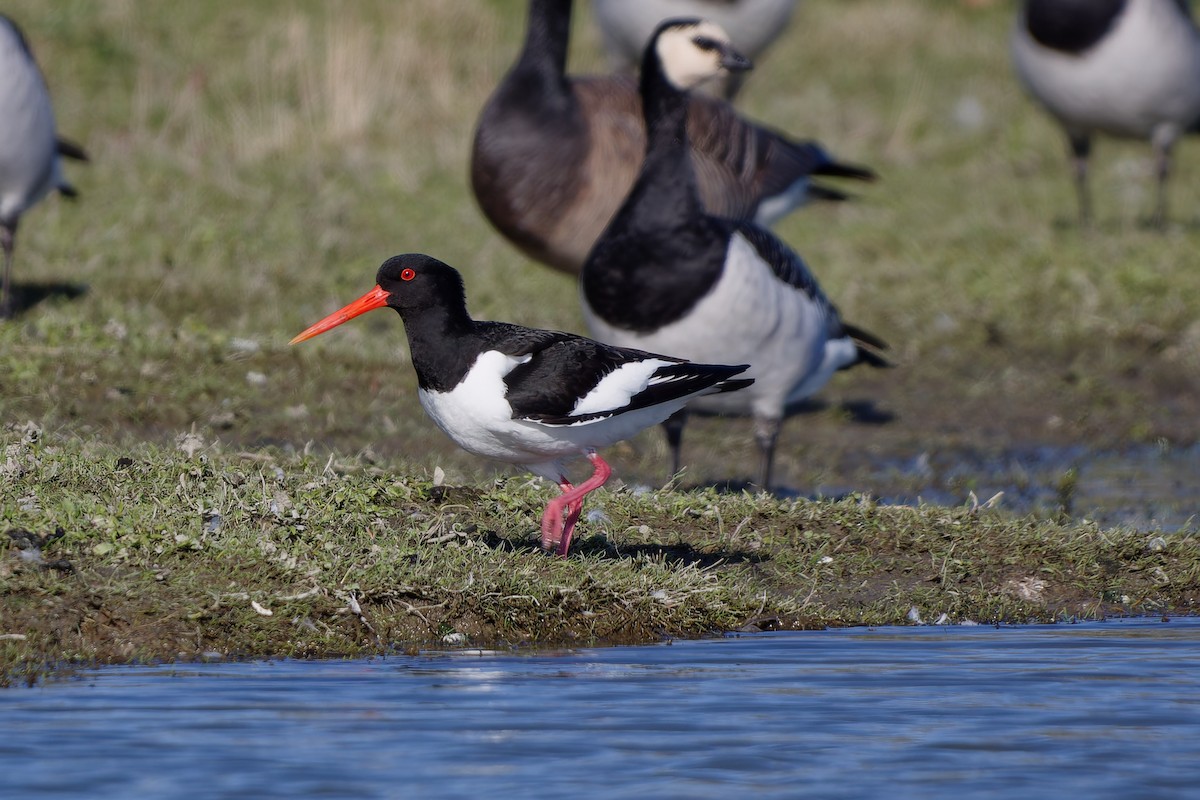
(869, 347)
(69, 149)
(819, 191)
(733, 386)
(837, 169)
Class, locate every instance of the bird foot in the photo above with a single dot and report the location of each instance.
(556, 532)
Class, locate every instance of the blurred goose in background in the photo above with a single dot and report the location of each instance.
(554, 156)
(669, 277)
(29, 146)
(1126, 68)
(751, 24)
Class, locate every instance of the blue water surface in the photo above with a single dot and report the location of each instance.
(1104, 709)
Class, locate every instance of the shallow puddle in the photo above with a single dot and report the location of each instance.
(1144, 487)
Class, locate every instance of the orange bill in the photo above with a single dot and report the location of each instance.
(376, 298)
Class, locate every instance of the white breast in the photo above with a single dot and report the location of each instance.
(752, 24)
(1140, 81)
(28, 151)
(475, 413)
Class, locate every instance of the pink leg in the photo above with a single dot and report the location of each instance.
(573, 512)
(552, 518)
(554, 530)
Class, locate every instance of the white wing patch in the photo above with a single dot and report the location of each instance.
(617, 388)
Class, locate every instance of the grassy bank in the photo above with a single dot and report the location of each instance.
(148, 553)
(254, 162)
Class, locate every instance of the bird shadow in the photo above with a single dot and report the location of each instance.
(593, 545)
(599, 546)
(863, 412)
(866, 412)
(26, 296)
(1147, 223)
(744, 486)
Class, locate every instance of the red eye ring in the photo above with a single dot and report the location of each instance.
(407, 274)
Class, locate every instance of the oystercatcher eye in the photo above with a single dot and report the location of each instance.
(407, 274)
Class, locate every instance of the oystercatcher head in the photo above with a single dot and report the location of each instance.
(527, 396)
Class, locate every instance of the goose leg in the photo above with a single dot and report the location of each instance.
(8, 235)
(673, 427)
(1081, 149)
(1163, 168)
(766, 433)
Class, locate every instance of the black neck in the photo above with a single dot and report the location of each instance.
(436, 338)
(665, 252)
(666, 189)
(542, 66)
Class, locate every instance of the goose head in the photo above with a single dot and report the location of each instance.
(691, 52)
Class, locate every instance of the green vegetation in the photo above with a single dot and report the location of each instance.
(253, 163)
(185, 551)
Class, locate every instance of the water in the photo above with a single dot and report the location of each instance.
(1141, 486)
(1088, 710)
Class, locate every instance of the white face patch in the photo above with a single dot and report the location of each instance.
(685, 64)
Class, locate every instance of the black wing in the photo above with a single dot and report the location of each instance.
(739, 163)
(69, 149)
(791, 269)
(787, 265)
(804, 158)
(562, 368)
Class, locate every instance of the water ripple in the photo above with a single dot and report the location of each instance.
(1096, 709)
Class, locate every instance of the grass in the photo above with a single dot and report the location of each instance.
(191, 551)
(252, 165)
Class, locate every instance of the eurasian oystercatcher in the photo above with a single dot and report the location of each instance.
(29, 145)
(1126, 68)
(752, 25)
(667, 276)
(527, 396)
(554, 157)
